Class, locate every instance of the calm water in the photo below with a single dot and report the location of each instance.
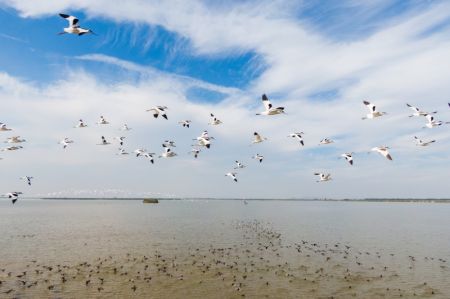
(69, 231)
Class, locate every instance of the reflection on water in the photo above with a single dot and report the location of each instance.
(199, 248)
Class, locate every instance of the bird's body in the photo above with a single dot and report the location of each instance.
(214, 120)
(4, 128)
(140, 151)
(149, 156)
(432, 123)
(373, 111)
(258, 138)
(120, 139)
(102, 121)
(269, 109)
(74, 28)
(122, 152)
(195, 152)
(65, 142)
(167, 153)
(169, 143)
(418, 112)
(204, 140)
(12, 148)
(14, 139)
(383, 150)
(298, 136)
(323, 177)
(258, 157)
(325, 141)
(125, 128)
(158, 110)
(348, 157)
(419, 142)
(14, 196)
(239, 165)
(232, 175)
(185, 123)
(27, 179)
(81, 124)
(104, 141)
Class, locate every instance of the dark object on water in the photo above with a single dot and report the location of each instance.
(150, 200)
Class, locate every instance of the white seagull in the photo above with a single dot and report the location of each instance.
(15, 139)
(232, 175)
(125, 128)
(418, 112)
(348, 157)
(65, 142)
(185, 123)
(158, 110)
(383, 150)
(167, 153)
(104, 141)
(258, 157)
(140, 151)
(169, 143)
(323, 177)
(122, 152)
(13, 196)
(433, 123)
(28, 179)
(204, 140)
(102, 121)
(12, 148)
(373, 111)
(298, 136)
(269, 109)
(149, 156)
(120, 139)
(258, 138)
(4, 128)
(326, 141)
(74, 28)
(214, 120)
(195, 152)
(419, 142)
(81, 124)
(239, 165)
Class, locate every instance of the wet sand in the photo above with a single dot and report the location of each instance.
(260, 263)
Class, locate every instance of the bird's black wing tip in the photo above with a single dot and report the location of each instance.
(63, 15)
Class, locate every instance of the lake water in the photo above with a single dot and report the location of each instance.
(308, 256)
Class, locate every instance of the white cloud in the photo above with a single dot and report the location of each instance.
(402, 62)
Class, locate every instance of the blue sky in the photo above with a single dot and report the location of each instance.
(319, 59)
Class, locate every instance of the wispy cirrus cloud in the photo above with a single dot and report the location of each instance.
(320, 80)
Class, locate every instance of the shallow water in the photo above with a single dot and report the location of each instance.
(288, 249)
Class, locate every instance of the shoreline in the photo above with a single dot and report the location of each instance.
(393, 200)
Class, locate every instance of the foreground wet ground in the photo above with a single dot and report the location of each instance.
(259, 263)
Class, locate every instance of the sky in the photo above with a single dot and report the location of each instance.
(318, 59)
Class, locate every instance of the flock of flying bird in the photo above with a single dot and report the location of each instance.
(204, 140)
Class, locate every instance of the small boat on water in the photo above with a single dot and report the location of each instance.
(150, 200)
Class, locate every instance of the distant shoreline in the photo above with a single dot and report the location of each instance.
(435, 200)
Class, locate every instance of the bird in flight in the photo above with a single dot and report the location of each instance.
(74, 27)
(28, 179)
(232, 175)
(158, 110)
(269, 109)
(373, 111)
(323, 177)
(418, 112)
(419, 142)
(383, 150)
(214, 120)
(298, 136)
(348, 157)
